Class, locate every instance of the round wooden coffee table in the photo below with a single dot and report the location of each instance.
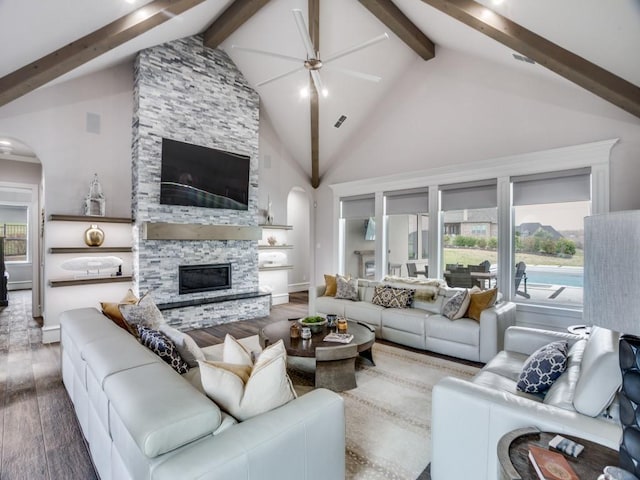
(335, 362)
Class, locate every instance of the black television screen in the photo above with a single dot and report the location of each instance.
(203, 177)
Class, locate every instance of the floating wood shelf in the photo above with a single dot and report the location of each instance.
(278, 267)
(274, 247)
(86, 281)
(90, 249)
(277, 227)
(88, 218)
(191, 231)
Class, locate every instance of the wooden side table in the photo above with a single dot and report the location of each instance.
(513, 455)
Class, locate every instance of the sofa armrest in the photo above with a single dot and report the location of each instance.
(493, 323)
(468, 420)
(527, 340)
(282, 444)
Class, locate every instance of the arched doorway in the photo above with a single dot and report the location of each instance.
(21, 201)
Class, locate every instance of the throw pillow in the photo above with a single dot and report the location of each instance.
(163, 347)
(187, 346)
(234, 352)
(144, 313)
(112, 310)
(331, 285)
(481, 301)
(267, 386)
(346, 288)
(392, 297)
(457, 305)
(543, 367)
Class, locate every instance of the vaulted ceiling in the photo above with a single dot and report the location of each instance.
(589, 42)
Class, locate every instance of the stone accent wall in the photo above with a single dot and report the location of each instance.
(190, 93)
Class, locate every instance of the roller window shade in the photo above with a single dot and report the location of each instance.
(407, 202)
(358, 207)
(552, 187)
(482, 194)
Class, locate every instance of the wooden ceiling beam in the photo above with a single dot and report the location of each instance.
(574, 68)
(314, 33)
(390, 15)
(91, 46)
(231, 19)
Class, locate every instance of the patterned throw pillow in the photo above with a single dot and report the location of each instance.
(392, 297)
(163, 347)
(457, 305)
(543, 367)
(144, 313)
(346, 288)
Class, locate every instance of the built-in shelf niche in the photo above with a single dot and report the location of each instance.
(89, 280)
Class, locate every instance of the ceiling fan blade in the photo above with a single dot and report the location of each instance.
(317, 81)
(304, 33)
(355, 48)
(278, 77)
(269, 54)
(353, 73)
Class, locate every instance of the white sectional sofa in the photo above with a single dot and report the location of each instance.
(423, 326)
(142, 420)
(470, 417)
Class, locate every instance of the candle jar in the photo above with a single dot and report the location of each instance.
(294, 330)
(306, 333)
(342, 325)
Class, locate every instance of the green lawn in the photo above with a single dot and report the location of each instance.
(474, 256)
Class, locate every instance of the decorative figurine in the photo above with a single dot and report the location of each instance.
(94, 204)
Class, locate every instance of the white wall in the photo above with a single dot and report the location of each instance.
(456, 109)
(53, 122)
(298, 216)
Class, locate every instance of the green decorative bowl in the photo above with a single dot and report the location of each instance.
(316, 326)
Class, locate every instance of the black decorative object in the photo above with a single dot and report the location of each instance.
(630, 403)
(4, 298)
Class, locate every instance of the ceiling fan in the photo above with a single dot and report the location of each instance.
(313, 63)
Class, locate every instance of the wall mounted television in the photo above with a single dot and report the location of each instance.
(198, 176)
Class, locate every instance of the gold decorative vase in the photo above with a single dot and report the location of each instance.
(93, 236)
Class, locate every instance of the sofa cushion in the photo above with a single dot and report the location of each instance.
(411, 320)
(392, 297)
(162, 346)
(160, 410)
(507, 364)
(543, 367)
(500, 383)
(267, 387)
(600, 376)
(346, 288)
(562, 391)
(457, 305)
(331, 305)
(481, 301)
(364, 312)
(464, 330)
(427, 289)
(187, 346)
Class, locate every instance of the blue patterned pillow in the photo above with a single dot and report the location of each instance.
(543, 367)
(163, 347)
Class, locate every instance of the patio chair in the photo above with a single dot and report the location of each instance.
(521, 274)
(413, 271)
(462, 279)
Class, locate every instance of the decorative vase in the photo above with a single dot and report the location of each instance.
(93, 236)
(94, 203)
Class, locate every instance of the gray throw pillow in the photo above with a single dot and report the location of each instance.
(347, 288)
(145, 312)
(187, 346)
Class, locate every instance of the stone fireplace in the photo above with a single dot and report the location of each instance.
(190, 93)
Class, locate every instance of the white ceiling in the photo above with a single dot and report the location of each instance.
(605, 33)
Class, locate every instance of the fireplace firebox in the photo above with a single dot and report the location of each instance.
(204, 278)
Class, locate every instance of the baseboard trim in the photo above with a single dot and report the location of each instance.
(51, 334)
(279, 298)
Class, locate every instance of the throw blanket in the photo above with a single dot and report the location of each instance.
(426, 289)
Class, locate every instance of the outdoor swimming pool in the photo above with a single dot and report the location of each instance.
(555, 276)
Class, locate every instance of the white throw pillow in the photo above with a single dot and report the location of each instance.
(457, 305)
(186, 346)
(267, 386)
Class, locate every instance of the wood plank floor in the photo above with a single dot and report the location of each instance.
(39, 434)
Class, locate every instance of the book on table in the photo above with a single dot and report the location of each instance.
(550, 465)
(338, 337)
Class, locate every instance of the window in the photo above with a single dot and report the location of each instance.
(470, 224)
(14, 227)
(357, 230)
(407, 229)
(549, 211)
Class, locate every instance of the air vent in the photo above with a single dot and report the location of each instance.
(340, 121)
(522, 58)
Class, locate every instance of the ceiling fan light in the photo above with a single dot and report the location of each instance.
(304, 92)
(325, 92)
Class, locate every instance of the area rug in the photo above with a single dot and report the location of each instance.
(389, 413)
